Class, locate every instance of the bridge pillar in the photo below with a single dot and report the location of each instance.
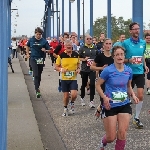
(78, 17)
(108, 18)
(4, 37)
(137, 14)
(91, 18)
(69, 17)
(49, 22)
(63, 16)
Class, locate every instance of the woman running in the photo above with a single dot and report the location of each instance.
(116, 109)
(101, 61)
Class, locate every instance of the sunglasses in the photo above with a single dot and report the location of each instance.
(89, 38)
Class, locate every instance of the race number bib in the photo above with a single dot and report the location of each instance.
(89, 62)
(69, 74)
(118, 97)
(137, 59)
(39, 61)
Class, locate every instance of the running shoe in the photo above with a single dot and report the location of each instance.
(33, 78)
(38, 94)
(65, 113)
(30, 72)
(138, 123)
(82, 102)
(92, 104)
(148, 92)
(101, 146)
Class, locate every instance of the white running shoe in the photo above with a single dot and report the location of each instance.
(82, 102)
(92, 104)
(148, 92)
(65, 114)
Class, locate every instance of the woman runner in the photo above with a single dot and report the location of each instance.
(116, 107)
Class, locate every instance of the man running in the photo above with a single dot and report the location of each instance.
(87, 54)
(38, 47)
(134, 58)
(69, 65)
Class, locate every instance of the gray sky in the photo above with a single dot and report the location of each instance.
(31, 12)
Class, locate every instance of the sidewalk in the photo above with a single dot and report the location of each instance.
(23, 132)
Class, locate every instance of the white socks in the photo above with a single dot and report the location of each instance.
(138, 109)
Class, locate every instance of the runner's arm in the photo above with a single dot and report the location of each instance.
(94, 67)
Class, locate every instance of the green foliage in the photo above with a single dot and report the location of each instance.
(119, 26)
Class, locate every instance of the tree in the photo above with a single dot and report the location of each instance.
(119, 26)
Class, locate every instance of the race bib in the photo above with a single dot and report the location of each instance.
(89, 62)
(137, 59)
(39, 61)
(69, 74)
(118, 97)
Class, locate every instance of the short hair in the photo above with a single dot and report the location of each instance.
(147, 34)
(102, 33)
(68, 41)
(38, 30)
(132, 24)
(115, 48)
(66, 35)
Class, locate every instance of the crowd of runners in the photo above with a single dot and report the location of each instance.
(111, 68)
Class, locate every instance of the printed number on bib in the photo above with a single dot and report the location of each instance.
(137, 59)
(89, 62)
(39, 61)
(118, 97)
(69, 74)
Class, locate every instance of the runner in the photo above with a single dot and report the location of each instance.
(120, 41)
(116, 109)
(134, 58)
(87, 54)
(147, 59)
(38, 47)
(59, 49)
(53, 45)
(101, 61)
(69, 65)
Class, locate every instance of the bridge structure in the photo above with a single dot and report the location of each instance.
(5, 42)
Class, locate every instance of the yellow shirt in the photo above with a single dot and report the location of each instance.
(69, 63)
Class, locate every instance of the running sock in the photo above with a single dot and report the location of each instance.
(120, 144)
(104, 140)
(138, 109)
(65, 106)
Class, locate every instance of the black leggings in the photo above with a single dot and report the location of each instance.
(52, 58)
(14, 53)
(85, 75)
(37, 71)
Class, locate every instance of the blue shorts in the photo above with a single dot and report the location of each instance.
(68, 85)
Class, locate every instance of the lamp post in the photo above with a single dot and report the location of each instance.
(58, 34)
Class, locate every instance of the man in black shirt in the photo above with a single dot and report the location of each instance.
(101, 41)
(87, 53)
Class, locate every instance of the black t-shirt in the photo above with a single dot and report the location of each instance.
(99, 45)
(102, 60)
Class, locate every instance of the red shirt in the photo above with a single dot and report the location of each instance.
(53, 46)
(62, 49)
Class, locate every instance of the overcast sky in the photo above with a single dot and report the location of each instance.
(31, 12)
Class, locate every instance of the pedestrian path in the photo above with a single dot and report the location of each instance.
(23, 132)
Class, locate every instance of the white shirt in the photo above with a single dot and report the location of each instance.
(14, 44)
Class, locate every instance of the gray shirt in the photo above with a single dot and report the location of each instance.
(84, 52)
